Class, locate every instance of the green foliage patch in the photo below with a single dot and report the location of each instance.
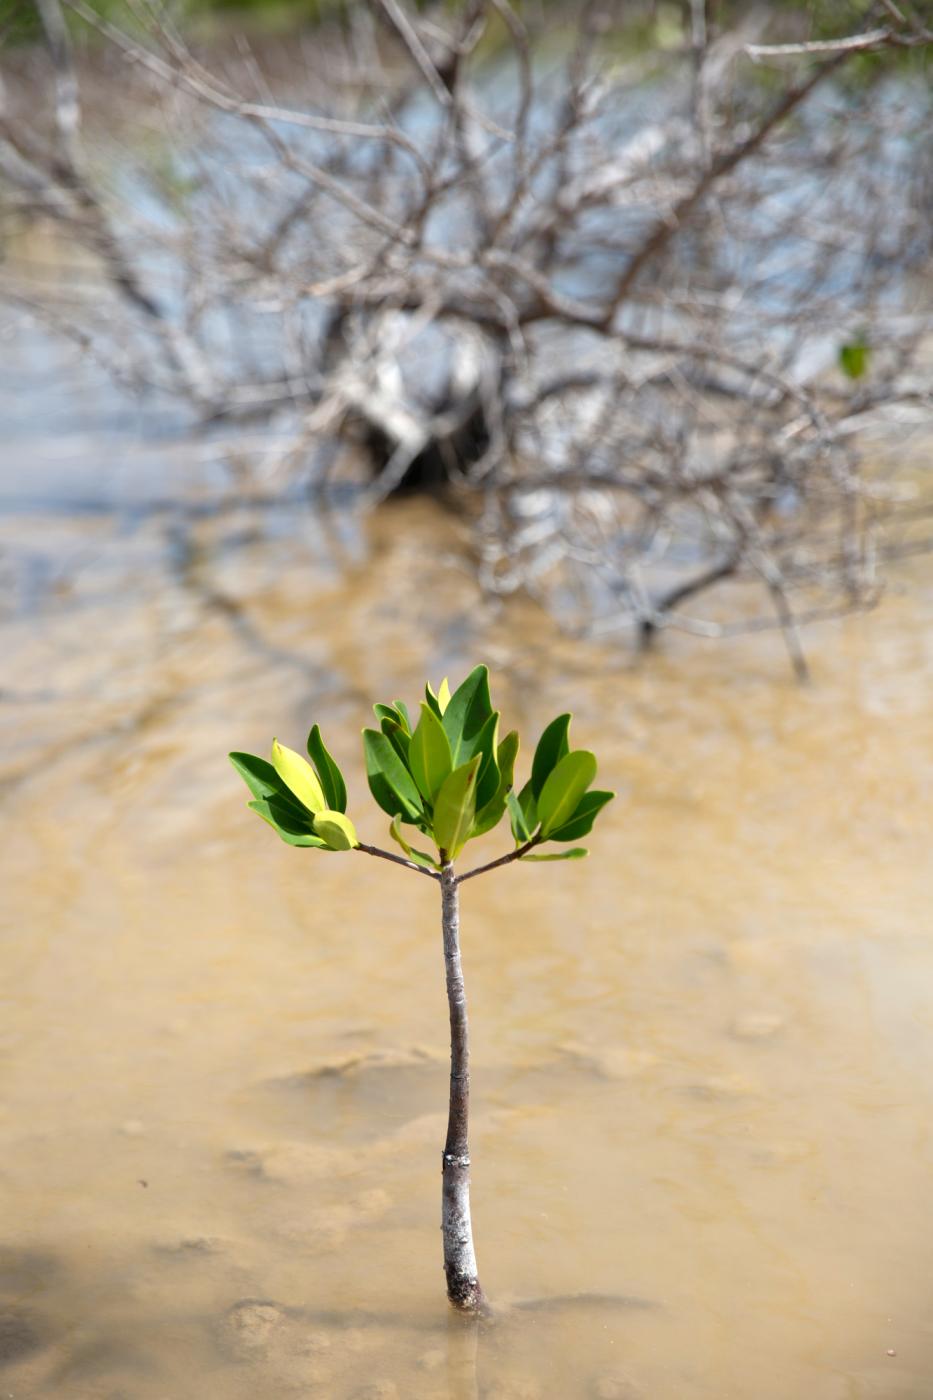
(451, 777)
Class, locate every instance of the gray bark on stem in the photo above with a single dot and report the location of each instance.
(463, 1286)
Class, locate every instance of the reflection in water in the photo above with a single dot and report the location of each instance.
(703, 1058)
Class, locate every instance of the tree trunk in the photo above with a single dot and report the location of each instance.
(463, 1287)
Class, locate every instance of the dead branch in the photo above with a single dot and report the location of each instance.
(608, 311)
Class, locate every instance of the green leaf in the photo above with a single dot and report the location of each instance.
(564, 787)
(419, 857)
(398, 737)
(506, 755)
(330, 776)
(552, 747)
(577, 853)
(581, 823)
(455, 808)
(432, 699)
(403, 711)
(390, 712)
(520, 828)
(468, 711)
(854, 358)
(281, 818)
(264, 782)
(336, 831)
(490, 814)
(529, 806)
(443, 695)
(429, 754)
(390, 782)
(298, 775)
(484, 743)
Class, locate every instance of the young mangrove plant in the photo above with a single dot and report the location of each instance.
(450, 777)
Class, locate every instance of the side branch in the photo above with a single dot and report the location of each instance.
(503, 860)
(397, 860)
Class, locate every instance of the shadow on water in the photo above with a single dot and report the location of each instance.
(24, 1276)
(19, 1334)
(32, 1285)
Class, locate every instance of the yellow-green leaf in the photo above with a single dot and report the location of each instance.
(577, 853)
(521, 830)
(455, 808)
(419, 857)
(563, 789)
(506, 755)
(336, 830)
(298, 776)
(443, 695)
(429, 754)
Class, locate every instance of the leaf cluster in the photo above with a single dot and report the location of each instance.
(445, 772)
(451, 776)
(304, 802)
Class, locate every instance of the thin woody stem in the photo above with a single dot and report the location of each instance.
(503, 860)
(463, 1286)
(397, 860)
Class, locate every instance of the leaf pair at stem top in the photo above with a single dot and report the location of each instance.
(449, 775)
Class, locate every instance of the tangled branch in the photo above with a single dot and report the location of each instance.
(635, 316)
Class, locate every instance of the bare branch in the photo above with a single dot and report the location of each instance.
(636, 327)
(502, 860)
(397, 860)
(855, 43)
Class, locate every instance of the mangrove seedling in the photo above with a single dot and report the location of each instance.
(451, 778)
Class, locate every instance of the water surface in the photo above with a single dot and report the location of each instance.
(703, 1058)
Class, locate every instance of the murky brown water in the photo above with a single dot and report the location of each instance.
(703, 1058)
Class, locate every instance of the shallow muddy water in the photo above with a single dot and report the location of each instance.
(703, 1088)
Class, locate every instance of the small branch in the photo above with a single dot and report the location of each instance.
(855, 43)
(667, 227)
(67, 97)
(503, 860)
(397, 860)
(411, 40)
(790, 631)
(650, 625)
